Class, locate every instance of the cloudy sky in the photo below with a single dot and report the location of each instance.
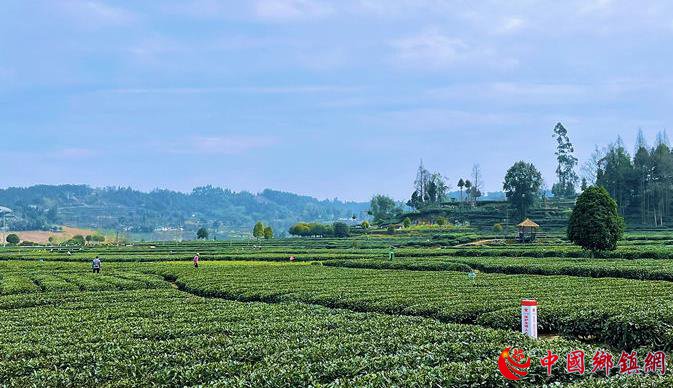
(327, 98)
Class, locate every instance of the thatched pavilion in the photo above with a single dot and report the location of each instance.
(527, 231)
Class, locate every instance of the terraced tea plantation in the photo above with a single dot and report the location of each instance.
(343, 314)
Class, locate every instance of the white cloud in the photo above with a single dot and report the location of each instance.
(435, 50)
(296, 89)
(514, 93)
(74, 153)
(430, 49)
(196, 8)
(217, 144)
(591, 6)
(558, 94)
(443, 120)
(282, 10)
(511, 24)
(57, 154)
(154, 49)
(403, 8)
(536, 90)
(327, 59)
(96, 13)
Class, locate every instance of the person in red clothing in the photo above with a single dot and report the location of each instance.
(196, 261)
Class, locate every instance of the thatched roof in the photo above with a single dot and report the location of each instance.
(528, 223)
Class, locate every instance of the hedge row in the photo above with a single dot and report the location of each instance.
(402, 265)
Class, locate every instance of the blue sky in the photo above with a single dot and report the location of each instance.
(327, 98)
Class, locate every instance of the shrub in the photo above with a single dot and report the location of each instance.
(76, 240)
(258, 230)
(340, 229)
(202, 233)
(12, 239)
(268, 233)
(313, 229)
(595, 224)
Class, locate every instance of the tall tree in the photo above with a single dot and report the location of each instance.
(662, 138)
(662, 180)
(641, 141)
(590, 167)
(468, 190)
(615, 173)
(477, 182)
(584, 184)
(268, 233)
(522, 185)
(642, 166)
(429, 188)
(565, 170)
(461, 184)
(258, 230)
(382, 208)
(431, 194)
(643, 185)
(439, 188)
(475, 193)
(422, 181)
(416, 201)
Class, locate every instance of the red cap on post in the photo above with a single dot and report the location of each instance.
(529, 302)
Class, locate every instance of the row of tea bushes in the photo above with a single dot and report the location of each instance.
(645, 269)
(572, 306)
(167, 338)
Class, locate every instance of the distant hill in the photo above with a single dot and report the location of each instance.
(167, 214)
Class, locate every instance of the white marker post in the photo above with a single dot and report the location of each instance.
(529, 317)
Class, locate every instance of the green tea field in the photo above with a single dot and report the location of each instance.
(343, 314)
(336, 193)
